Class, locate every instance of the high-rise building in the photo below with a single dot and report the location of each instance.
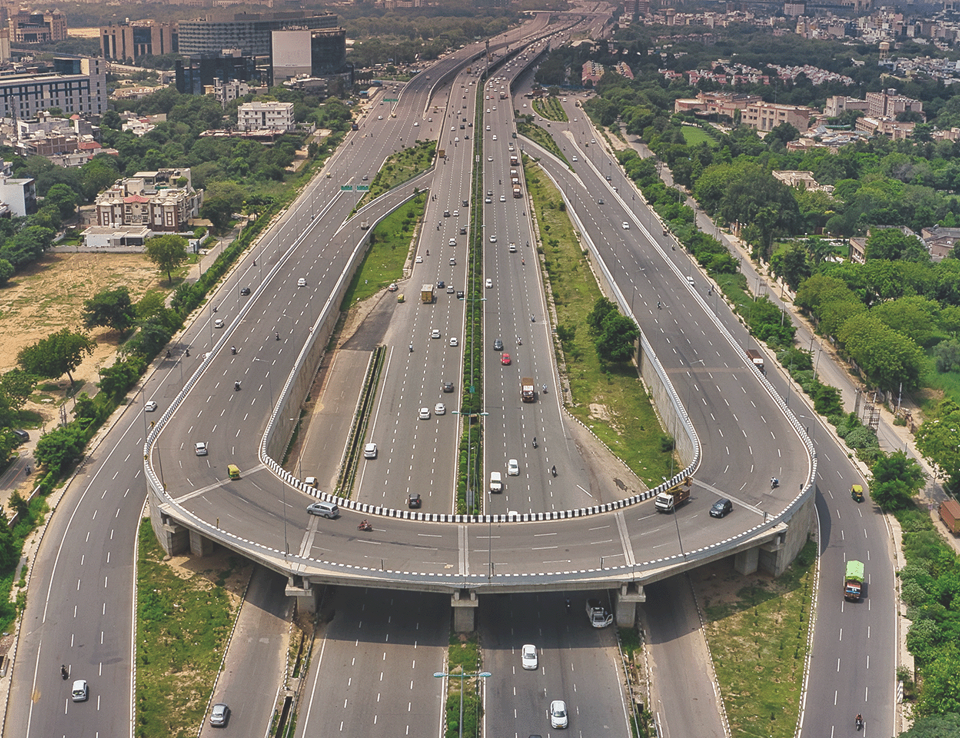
(77, 85)
(126, 41)
(36, 28)
(245, 31)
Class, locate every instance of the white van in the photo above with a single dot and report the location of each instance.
(496, 482)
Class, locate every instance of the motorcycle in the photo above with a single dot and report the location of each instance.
(365, 526)
(236, 386)
(64, 674)
(553, 470)
(774, 483)
(534, 441)
(233, 350)
(859, 722)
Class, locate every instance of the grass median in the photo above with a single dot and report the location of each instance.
(608, 399)
(186, 608)
(757, 629)
(463, 659)
(398, 168)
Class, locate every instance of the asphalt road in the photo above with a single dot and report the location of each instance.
(576, 663)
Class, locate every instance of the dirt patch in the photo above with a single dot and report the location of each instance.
(200, 571)
(599, 412)
(49, 296)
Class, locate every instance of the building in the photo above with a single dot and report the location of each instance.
(224, 92)
(888, 104)
(163, 201)
(306, 53)
(78, 85)
(37, 28)
(250, 33)
(265, 116)
(888, 127)
(716, 103)
(132, 41)
(592, 72)
(623, 69)
(939, 240)
(806, 180)
(839, 104)
(19, 195)
(197, 73)
(764, 116)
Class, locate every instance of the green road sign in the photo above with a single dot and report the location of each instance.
(391, 99)
(346, 188)
(363, 188)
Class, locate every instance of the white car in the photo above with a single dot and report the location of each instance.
(488, 128)
(218, 323)
(201, 448)
(453, 341)
(489, 283)
(416, 123)
(440, 409)
(626, 226)
(370, 451)
(493, 239)
(452, 242)
(690, 281)
(301, 282)
(419, 260)
(558, 714)
(513, 468)
(424, 413)
(575, 159)
(494, 136)
(456, 213)
(435, 333)
(503, 198)
(149, 407)
(528, 657)
(489, 158)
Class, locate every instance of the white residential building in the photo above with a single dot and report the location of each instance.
(265, 116)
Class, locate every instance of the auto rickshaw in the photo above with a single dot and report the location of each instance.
(856, 492)
(233, 471)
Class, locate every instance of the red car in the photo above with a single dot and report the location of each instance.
(505, 359)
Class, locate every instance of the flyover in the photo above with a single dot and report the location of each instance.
(612, 545)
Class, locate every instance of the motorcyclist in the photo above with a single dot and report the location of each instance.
(553, 470)
(859, 721)
(278, 335)
(63, 671)
(544, 389)
(411, 348)
(233, 349)
(534, 441)
(236, 386)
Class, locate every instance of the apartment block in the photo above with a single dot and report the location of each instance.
(132, 41)
(764, 116)
(265, 116)
(163, 201)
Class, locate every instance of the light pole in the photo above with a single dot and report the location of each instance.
(461, 677)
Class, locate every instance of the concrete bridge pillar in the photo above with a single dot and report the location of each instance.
(464, 603)
(745, 562)
(305, 593)
(625, 603)
(200, 545)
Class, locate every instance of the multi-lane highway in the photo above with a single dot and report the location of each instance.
(84, 617)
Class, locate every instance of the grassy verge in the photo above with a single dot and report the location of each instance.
(184, 617)
(611, 402)
(641, 720)
(758, 641)
(463, 658)
(389, 248)
(541, 137)
(405, 164)
(550, 108)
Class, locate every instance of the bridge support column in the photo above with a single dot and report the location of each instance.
(173, 538)
(464, 603)
(200, 545)
(625, 604)
(305, 593)
(745, 562)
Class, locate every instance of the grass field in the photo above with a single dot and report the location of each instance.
(185, 611)
(757, 628)
(384, 261)
(694, 135)
(610, 400)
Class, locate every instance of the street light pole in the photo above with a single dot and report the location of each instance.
(461, 677)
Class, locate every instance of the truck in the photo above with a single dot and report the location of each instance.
(668, 500)
(598, 616)
(503, 95)
(514, 160)
(426, 294)
(757, 358)
(516, 191)
(950, 515)
(853, 581)
(528, 392)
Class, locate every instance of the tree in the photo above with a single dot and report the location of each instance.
(601, 309)
(938, 439)
(892, 244)
(6, 271)
(616, 339)
(27, 246)
(221, 201)
(946, 355)
(896, 480)
(791, 264)
(167, 252)
(61, 446)
(937, 726)
(17, 385)
(57, 354)
(63, 198)
(111, 309)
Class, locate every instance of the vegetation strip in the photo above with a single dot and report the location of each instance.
(399, 168)
(184, 620)
(463, 666)
(758, 642)
(606, 395)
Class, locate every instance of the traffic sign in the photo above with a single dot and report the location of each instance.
(363, 188)
(346, 188)
(391, 99)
